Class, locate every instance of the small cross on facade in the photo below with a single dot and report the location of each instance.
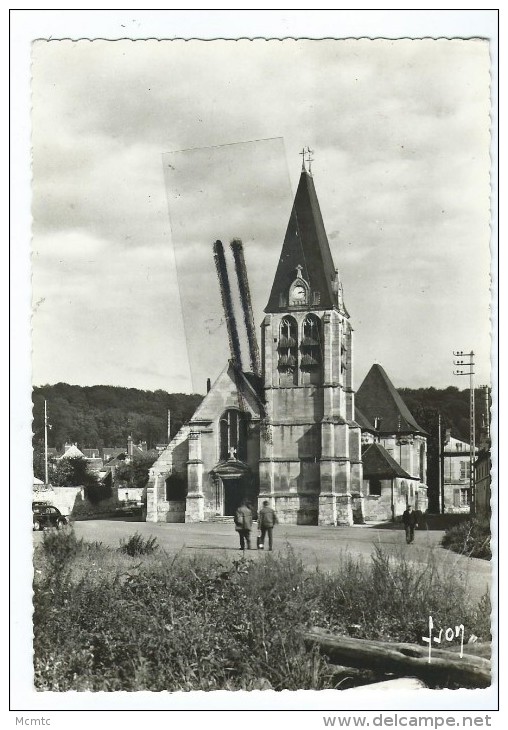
(232, 452)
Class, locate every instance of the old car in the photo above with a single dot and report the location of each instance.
(46, 515)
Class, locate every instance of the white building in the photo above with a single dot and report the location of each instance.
(456, 484)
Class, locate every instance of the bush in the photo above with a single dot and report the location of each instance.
(136, 545)
(471, 538)
(60, 548)
(198, 624)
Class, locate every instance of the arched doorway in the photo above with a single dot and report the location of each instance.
(235, 483)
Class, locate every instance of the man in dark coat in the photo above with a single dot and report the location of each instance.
(267, 519)
(243, 524)
(410, 521)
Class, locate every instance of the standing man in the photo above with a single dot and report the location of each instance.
(243, 524)
(266, 521)
(410, 522)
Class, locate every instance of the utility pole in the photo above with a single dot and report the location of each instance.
(46, 480)
(466, 363)
(440, 482)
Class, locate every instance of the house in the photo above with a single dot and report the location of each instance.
(289, 432)
(456, 486)
(71, 451)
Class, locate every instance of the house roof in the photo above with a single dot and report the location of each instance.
(379, 464)
(306, 245)
(72, 452)
(117, 459)
(90, 453)
(377, 397)
(112, 450)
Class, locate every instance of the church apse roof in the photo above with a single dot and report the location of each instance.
(377, 398)
(306, 245)
(379, 464)
(362, 420)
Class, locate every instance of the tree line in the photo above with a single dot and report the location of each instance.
(106, 415)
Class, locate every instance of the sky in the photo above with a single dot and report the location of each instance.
(146, 152)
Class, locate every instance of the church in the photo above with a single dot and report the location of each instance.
(292, 430)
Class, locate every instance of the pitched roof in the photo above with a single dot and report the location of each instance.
(306, 245)
(72, 452)
(232, 389)
(378, 464)
(110, 451)
(91, 453)
(362, 420)
(377, 397)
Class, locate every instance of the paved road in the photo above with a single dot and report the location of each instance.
(317, 546)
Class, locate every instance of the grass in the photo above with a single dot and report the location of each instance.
(106, 621)
(471, 537)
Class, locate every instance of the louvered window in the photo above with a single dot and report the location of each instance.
(287, 350)
(310, 345)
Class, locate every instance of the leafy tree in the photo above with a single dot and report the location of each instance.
(75, 472)
(135, 473)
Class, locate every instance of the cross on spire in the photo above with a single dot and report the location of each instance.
(307, 151)
(302, 153)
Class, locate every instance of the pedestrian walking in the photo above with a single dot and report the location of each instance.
(410, 520)
(267, 519)
(243, 524)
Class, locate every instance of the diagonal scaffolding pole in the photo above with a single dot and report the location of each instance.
(246, 301)
(227, 303)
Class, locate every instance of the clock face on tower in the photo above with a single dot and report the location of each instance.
(299, 290)
(299, 294)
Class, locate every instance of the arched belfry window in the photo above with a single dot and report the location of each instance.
(311, 345)
(288, 349)
(233, 435)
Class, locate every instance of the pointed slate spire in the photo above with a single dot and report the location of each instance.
(379, 401)
(306, 246)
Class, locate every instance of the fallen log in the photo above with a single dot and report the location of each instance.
(478, 648)
(403, 659)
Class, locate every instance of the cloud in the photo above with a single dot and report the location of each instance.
(400, 133)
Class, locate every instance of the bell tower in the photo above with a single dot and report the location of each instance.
(310, 465)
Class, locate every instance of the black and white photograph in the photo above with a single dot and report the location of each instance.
(262, 380)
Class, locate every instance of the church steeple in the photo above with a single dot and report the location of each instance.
(305, 250)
